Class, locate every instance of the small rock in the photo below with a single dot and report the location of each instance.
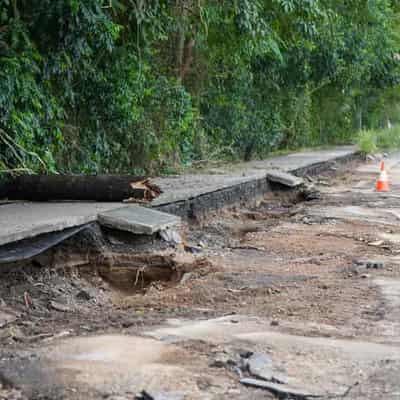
(222, 360)
(83, 295)
(128, 324)
(192, 249)
(186, 277)
(171, 236)
(59, 307)
(365, 276)
(376, 243)
(324, 286)
(87, 328)
(274, 323)
(370, 157)
(245, 353)
(218, 364)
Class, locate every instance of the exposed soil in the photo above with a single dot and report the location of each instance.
(279, 261)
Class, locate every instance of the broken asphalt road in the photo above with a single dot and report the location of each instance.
(300, 300)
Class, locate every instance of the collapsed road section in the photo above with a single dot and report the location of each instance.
(23, 224)
(270, 298)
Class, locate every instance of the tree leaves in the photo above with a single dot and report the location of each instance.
(133, 85)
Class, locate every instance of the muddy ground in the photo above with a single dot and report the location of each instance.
(314, 286)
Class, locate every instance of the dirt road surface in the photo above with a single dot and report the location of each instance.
(288, 299)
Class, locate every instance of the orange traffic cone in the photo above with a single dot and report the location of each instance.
(382, 185)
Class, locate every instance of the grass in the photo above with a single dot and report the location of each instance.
(371, 141)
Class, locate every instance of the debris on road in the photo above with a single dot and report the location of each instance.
(377, 243)
(309, 192)
(150, 190)
(28, 300)
(282, 391)
(186, 277)
(144, 395)
(284, 179)
(59, 307)
(367, 264)
(262, 367)
(79, 187)
(137, 219)
(171, 236)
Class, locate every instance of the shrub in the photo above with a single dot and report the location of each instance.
(370, 141)
(388, 139)
(367, 141)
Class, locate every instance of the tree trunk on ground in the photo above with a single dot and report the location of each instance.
(73, 187)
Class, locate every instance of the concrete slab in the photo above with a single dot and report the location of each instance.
(284, 178)
(185, 187)
(137, 219)
(25, 220)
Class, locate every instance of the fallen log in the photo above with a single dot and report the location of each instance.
(78, 187)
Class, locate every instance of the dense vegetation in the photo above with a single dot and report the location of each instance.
(133, 85)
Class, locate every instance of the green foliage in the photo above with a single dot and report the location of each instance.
(372, 140)
(389, 138)
(146, 85)
(366, 141)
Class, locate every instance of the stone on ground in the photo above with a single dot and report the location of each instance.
(261, 367)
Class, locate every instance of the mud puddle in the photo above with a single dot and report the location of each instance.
(104, 365)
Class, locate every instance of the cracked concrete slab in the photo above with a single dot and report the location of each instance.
(25, 220)
(184, 187)
(308, 361)
(137, 219)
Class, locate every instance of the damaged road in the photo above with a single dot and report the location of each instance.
(288, 299)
